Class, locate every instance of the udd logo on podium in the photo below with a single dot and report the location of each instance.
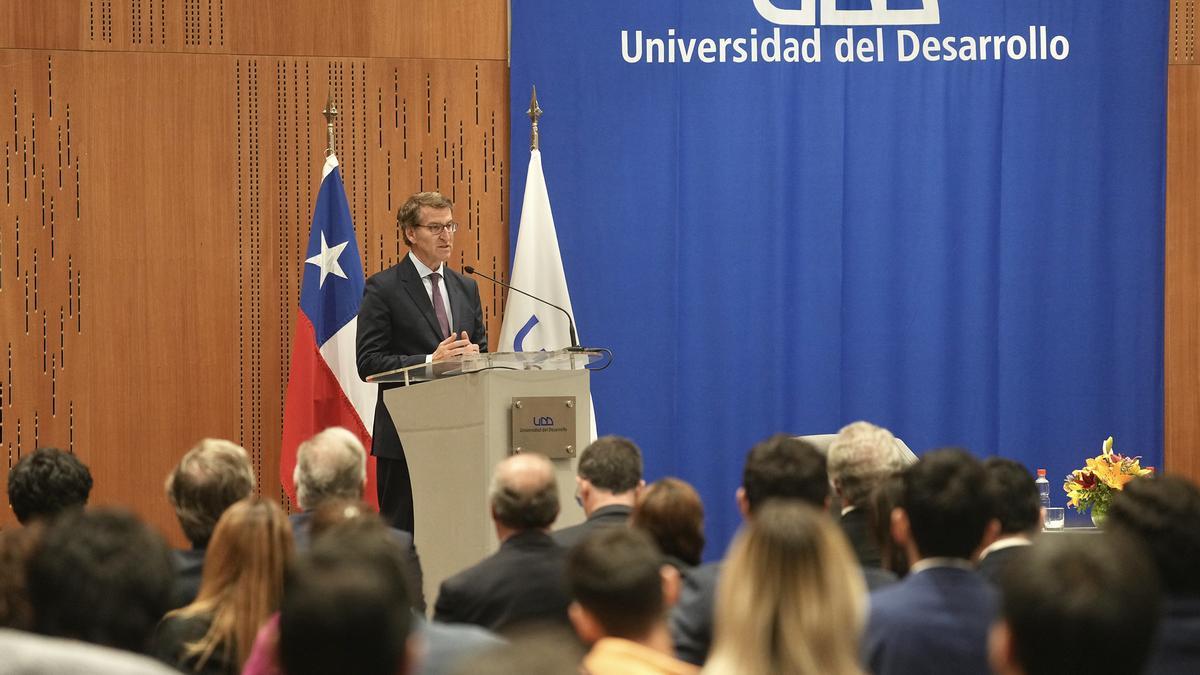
(877, 15)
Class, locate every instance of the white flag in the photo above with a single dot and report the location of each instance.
(537, 269)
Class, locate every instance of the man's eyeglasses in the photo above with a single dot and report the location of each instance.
(438, 228)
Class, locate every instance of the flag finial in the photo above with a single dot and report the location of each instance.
(331, 113)
(534, 113)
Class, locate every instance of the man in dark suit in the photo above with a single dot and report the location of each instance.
(608, 480)
(210, 478)
(861, 456)
(936, 619)
(1162, 512)
(331, 469)
(417, 311)
(1016, 515)
(524, 580)
(1078, 603)
(781, 467)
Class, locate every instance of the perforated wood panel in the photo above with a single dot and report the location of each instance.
(1183, 31)
(158, 193)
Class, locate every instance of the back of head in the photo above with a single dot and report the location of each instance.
(615, 574)
(785, 467)
(100, 576)
(524, 494)
(1067, 596)
(1012, 495)
(611, 463)
(16, 547)
(946, 504)
(791, 573)
(212, 475)
(47, 482)
(860, 456)
(330, 465)
(1163, 512)
(346, 609)
(670, 510)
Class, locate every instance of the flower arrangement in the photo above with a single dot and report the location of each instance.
(1092, 486)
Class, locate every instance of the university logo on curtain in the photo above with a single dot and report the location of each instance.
(324, 389)
(529, 325)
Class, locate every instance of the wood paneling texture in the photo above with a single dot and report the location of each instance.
(158, 194)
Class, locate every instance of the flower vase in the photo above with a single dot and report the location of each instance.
(1099, 515)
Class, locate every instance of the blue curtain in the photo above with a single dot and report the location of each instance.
(967, 252)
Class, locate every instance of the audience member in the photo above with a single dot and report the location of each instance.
(670, 510)
(523, 581)
(1076, 603)
(883, 500)
(100, 576)
(860, 456)
(1016, 514)
(30, 654)
(781, 467)
(607, 483)
(209, 478)
(622, 592)
(936, 619)
(346, 608)
(332, 465)
(240, 589)
(790, 599)
(47, 482)
(1163, 514)
(16, 547)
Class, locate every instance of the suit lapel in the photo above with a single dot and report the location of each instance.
(458, 301)
(415, 288)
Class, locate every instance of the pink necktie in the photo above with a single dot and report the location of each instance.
(439, 307)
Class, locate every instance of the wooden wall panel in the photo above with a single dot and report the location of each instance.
(159, 187)
(1182, 330)
(1184, 17)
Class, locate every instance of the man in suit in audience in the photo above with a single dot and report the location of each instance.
(1016, 515)
(1163, 514)
(936, 619)
(1076, 603)
(47, 482)
(209, 478)
(332, 465)
(781, 467)
(860, 457)
(622, 592)
(523, 581)
(607, 483)
(417, 311)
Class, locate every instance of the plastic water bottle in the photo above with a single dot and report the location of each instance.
(1043, 487)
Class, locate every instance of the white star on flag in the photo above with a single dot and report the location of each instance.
(327, 260)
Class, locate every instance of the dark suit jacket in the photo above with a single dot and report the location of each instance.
(523, 581)
(412, 561)
(397, 328)
(934, 621)
(1176, 649)
(189, 567)
(993, 564)
(608, 516)
(856, 526)
(691, 620)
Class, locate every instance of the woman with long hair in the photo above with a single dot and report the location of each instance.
(241, 587)
(791, 598)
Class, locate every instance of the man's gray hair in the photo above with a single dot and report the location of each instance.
(524, 494)
(861, 456)
(332, 464)
(212, 476)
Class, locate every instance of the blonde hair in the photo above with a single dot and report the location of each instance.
(242, 583)
(791, 598)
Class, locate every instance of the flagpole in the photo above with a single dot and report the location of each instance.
(331, 113)
(534, 113)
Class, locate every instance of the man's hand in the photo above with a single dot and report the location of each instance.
(455, 345)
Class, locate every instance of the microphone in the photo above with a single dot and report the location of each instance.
(570, 322)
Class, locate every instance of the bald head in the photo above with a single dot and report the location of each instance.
(524, 495)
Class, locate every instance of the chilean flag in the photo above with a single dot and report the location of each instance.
(324, 389)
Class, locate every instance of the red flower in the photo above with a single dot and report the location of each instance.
(1086, 479)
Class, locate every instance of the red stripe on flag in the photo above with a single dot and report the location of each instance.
(316, 401)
